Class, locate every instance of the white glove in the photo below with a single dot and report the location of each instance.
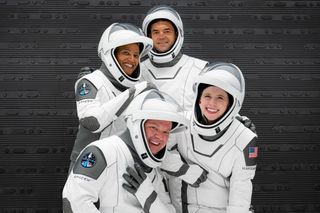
(141, 87)
(133, 92)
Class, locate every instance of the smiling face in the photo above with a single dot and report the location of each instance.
(128, 57)
(157, 134)
(163, 35)
(213, 103)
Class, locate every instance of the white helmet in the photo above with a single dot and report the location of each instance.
(116, 35)
(228, 77)
(152, 104)
(164, 13)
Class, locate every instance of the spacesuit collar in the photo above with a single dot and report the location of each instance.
(168, 64)
(125, 136)
(114, 82)
(213, 137)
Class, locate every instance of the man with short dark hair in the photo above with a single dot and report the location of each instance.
(167, 67)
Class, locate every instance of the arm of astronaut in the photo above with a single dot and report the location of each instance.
(95, 114)
(81, 190)
(142, 188)
(193, 174)
(240, 182)
(175, 166)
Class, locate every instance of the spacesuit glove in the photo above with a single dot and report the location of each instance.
(140, 186)
(84, 71)
(247, 122)
(194, 175)
(141, 87)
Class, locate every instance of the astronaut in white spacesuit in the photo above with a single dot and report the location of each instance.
(219, 143)
(172, 72)
(167, 67)
(102, 95)
(122, 171)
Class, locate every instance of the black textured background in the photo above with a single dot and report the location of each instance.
(43, 43)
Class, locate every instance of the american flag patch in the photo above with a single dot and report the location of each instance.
(253, 152)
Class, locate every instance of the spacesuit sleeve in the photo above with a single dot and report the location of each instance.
(172, 163)
(96, 107)
(240, 182)
(162, 202)
(84, 183)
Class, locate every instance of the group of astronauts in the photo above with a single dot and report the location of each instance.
(163, 135)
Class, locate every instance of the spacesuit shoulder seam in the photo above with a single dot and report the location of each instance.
(244, 137)
(109, 149)
(198, 63)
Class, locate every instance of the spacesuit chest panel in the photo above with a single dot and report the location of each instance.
(169, 79)
(218, 158)
(176, 80)
(165, 73)
(218, 155)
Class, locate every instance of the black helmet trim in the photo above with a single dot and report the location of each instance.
(145, 142)
(124, 74)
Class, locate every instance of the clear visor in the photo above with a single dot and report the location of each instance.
(126, 26)
(230, 68)
(165, 9)
(160, 106)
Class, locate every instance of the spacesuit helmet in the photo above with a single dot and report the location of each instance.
(155, 105)
(164, 13)
(120, 34)
(228, 77)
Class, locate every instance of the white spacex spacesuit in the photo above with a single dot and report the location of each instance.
(98, 172)
(171, 71)
(102, 95)
(226, 149)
